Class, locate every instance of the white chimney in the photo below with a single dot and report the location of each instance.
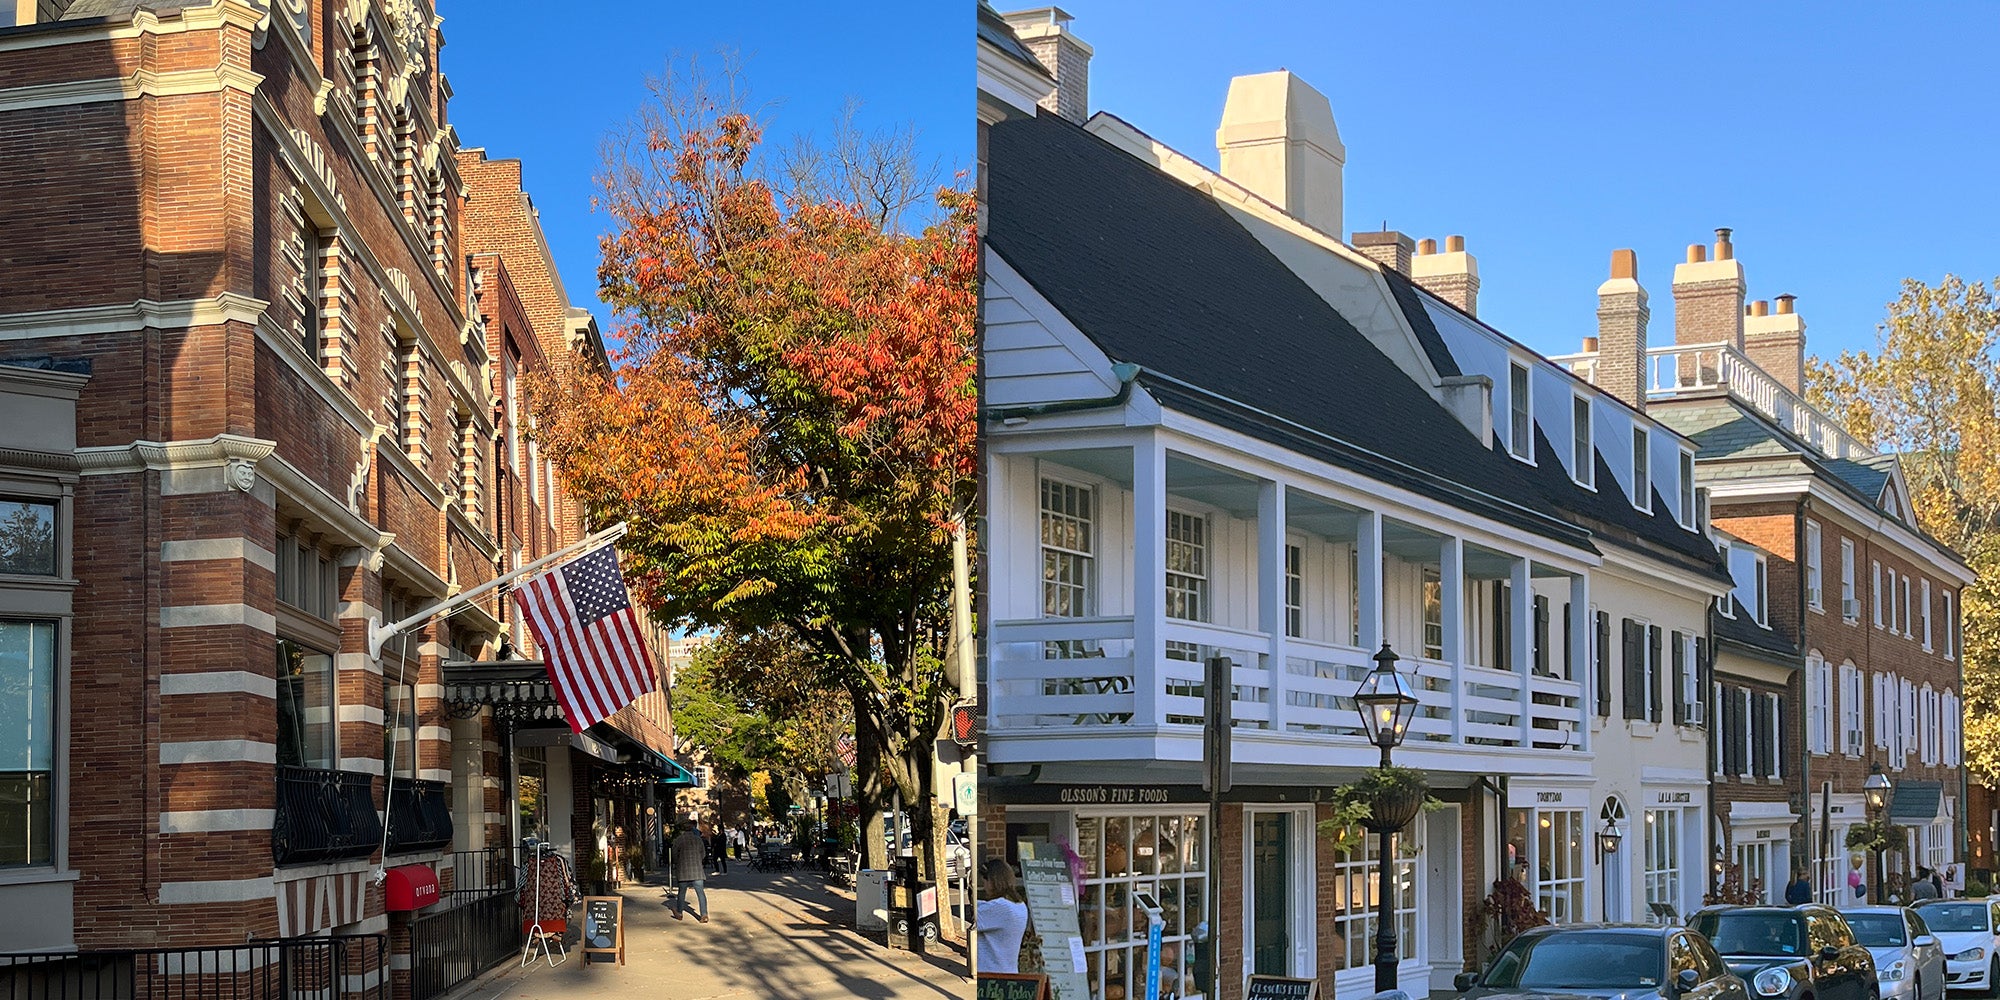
(1278, 140)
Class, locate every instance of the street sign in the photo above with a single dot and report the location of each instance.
(965, 793)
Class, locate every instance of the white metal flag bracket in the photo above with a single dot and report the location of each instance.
(380, 634)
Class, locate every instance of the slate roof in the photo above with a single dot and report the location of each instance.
(1915, 802)
(994, 30)
(1744, 630)
(122, 10)
(1412, 303)
(1156, 273)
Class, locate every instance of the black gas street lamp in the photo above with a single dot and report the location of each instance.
(1876, 791)
(1387, 704)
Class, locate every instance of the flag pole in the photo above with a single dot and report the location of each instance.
(379, 634)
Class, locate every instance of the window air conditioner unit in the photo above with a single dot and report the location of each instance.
(1851, 608)
(1854, 741)
(1697, 713)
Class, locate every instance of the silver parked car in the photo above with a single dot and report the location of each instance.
(1909, 959)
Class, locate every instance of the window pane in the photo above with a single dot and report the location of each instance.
(305, 706)
(27, 741)
(27, 537)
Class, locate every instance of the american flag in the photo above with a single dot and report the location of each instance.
(581, 617)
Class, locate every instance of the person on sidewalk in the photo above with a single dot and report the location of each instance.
(718, 853)
(691, 869)
(1001, 917)
(1925, 887)
(1800, 890)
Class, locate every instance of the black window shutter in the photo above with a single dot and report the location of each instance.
(1701, 674)
(1760, 735)
(1784, 736)
(1569, 644)
(1653, 689)
(1732, 715)
(1603, 664)
(1635, 671)
(1680, 679)
(1503, 645)
(1541, 635)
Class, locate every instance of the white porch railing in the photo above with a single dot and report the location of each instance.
(1688, 368)
(1085, 672)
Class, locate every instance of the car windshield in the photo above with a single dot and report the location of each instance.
(1955, 916)
(1593, 961)
(1752, 932)
(1877, 930)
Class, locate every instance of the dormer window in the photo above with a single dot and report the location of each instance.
(1763, 594)
(1520, 424)
(1642, 476)
(1727, 603)
(1687, 489)
(1583, 458)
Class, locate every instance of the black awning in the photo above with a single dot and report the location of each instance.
(518, 690)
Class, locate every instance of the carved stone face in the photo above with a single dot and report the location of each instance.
(242, 475)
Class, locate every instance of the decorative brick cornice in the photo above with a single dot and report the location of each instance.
(220, 450)
(38, 461)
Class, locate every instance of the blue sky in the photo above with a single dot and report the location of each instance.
(1848, 146)
(547, 88)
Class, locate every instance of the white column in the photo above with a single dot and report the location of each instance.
(1581, 629)
(1521, 636)
(1451, 594)
(1271, 589)
(1368, 543)
(1149, 576)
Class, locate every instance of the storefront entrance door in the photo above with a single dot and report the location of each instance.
(1272, 888)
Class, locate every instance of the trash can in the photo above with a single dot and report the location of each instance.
(871, 901)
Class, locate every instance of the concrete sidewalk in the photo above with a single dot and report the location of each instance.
(784, 935)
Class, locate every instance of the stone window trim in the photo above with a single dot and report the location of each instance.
(42, 478)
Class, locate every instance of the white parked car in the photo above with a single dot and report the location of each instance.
(1969, 930)
(1909, 959)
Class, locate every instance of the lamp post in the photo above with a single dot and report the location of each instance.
(1387, 703)
(1876, 790)
(1607, 845)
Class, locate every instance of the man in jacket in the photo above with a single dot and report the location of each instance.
(690, 869)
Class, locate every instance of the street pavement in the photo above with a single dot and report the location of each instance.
(769, 935)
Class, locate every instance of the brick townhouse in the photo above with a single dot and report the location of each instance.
(245, 223)
(1837, 566)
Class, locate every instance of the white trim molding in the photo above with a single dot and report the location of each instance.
(216, 820)
(216, 891)
(131, 317)
(219, 549)
(219, 682)
(208, 615)
(219, 752)
(142, 83)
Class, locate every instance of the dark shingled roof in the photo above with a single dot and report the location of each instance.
(994, 30)
(1915, 803)
(1156, 273)
(1412, 304)
(122, 10)
(1744, 630)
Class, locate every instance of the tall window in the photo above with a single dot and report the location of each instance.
(27, 537)
(1819, 705)
(1354, 595)
(1763, 595)
(1909, 629)
(1849, 608)
(1068, 550)
(1295, 587)
(1813, 597)
(1433, 614)
(307, 578)
(27, 742)
(1875, 591)
(1187, 566)
(1642, 476)
(1727, 602)
(1547, 846)
(1663, 857)
(1687, 489)
(1895, 609)
(1851, 712)
(1925, 610)
(399, 729)
(1161, 855)
(1520, 424)
(305, 706)
(1950, 628)
(510, 394)
(1583, 457)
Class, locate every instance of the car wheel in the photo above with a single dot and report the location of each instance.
(1993, 978)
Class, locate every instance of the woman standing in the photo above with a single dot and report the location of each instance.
(1001, 917)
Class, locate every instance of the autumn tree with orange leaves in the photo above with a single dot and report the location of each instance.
(790, 431)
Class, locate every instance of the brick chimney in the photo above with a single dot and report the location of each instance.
(1708, 295)
(1621, 331)
(1452, 275)
(1388, 248)
(1775, 340)
(1045, 31)
(1278, 140)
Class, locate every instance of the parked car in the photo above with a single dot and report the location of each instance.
(1909, 959)
(1632, 961)
(1791, 952)
(1966, 929)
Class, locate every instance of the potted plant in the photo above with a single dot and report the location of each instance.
(597, 873)
(1874, 835)
(1392, 796)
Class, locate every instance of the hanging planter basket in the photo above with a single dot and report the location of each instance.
(1392, 797)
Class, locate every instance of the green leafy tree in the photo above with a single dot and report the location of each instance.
(1929, 392)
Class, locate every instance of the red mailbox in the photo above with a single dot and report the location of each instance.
(410, 887)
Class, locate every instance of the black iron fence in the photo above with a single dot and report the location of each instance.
(324, 816)
(342, 967)
(476, 926)
(419, 816)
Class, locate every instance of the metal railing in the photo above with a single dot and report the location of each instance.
(340, 967)
(471, 931)
(324, 816)
(419, 816)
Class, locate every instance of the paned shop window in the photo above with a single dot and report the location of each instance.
(307, 578)
(1545, 851)
(1295, 591)
(1354, 897)
(1158, 854)
(1663, 857)
(1068, 549)
(27, 742)
(1187, 566)
(306, 707)
(27, 537)
(399, 729)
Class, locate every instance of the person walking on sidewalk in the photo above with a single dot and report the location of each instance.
(718, 852)
(691, 869)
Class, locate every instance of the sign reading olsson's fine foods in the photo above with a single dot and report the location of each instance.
(1280, 988)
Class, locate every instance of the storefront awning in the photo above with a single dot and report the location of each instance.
(677, 776)
(516, 690)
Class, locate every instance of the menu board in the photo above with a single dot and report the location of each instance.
(1010, 986)
(1280, 988)
(1052, 905)
(604, 927)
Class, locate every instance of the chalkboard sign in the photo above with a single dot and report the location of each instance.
(1011, 986)
(603, 927)
(1280, 988)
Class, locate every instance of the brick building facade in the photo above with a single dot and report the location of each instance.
(247, 221)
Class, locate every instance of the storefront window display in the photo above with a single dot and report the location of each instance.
(1663, 857)
(1163, 855)
(531, 791)
(1354, 898)
(1545, 850)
